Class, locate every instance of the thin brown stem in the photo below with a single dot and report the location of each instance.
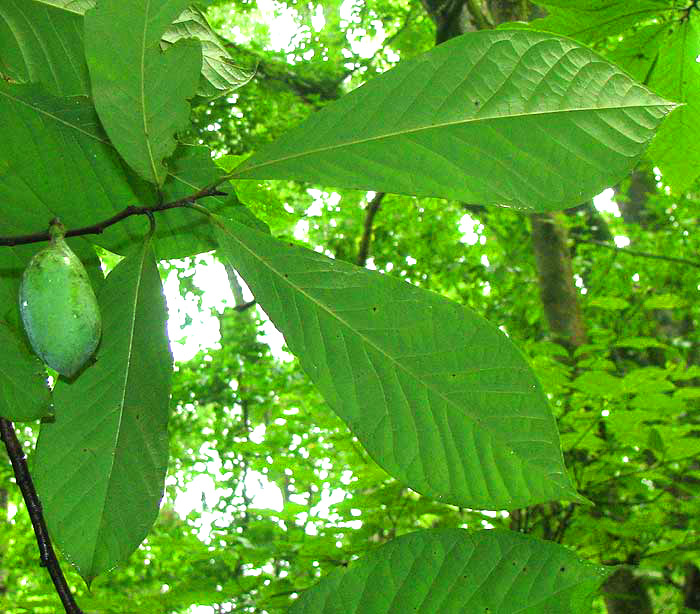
(23, 478)
(99, 227)
(632, 252)
(372, 208)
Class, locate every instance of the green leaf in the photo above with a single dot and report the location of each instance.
(220, 74)
(513, 118)
(24, 392)
(99, 467)
(43, 44)
(438, 396)
(140, 92)
(594, 20)
(609, 302)
(445, 571)
(13, 261)
(664, 301)
(677, 75)
(639, 343)
(88, 181)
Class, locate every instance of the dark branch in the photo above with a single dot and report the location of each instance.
(372, 208)
(632, 252)
(100, 227)
(31, 500)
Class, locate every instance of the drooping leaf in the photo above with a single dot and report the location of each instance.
(87, 181)
(40, 43)
(220, 74)
(513, 118)
(24, 392)
(99, 467)
(438, 396)
(141, 93)
(443, 571)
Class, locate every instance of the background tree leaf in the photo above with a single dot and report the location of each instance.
(109, 441)
(438, 396)
(513, 118)
(141, 93)
(451, 571)
(24, 391)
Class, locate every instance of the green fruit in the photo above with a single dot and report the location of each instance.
(58, 306)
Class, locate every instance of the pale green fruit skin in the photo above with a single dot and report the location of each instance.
(59, 309)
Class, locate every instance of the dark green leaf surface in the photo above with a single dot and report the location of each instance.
(99, 468)
(452, 571)
(24, 392)
(43, 44)
(438, 396)
(87, 181)
(56, 146)
(513, 118)
(141, 93)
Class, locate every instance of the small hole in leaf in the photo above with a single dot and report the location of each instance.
(562, 568)
(374, 309)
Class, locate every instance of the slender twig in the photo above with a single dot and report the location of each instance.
(372, 208)
(632, 252)
(31, 500)
(99, 227)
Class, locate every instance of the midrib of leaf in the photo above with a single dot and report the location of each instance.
(142, 86)
(369, 342)
(389, 135)
(55, 118)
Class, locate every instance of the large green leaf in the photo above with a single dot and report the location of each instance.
(513, 118)
(24, 392)
(677, 74)
(99, 467)
(452, 571)
(594, 20)
(43, 44)
(56, 146)
(141, 93)
(438, 396)
(57, 60)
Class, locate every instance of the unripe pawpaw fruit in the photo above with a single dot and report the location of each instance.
(58, 306)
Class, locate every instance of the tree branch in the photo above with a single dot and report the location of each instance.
(372, 208)
(99, 227)
(632, 252)
(31, 500)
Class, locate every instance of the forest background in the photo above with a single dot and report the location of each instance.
(602, 298)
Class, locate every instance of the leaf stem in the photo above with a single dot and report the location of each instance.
(31, 500)
(100, 227)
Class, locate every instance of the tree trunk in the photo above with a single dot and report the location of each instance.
(624, 593)
(691, 587)
(557, 289)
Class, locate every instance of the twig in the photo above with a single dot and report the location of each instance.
(31, 500)
(100, 227)
(632, 252)
(372, 208)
